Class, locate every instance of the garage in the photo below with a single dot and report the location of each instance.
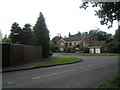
(97, 50)
(91, 50)
(97, 47)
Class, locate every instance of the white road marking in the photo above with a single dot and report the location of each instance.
(53, 74)
(11, 82)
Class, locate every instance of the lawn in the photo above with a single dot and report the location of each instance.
(112, 82)
(59, 61)
(88, 54)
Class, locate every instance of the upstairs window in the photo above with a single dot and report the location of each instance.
(62, 44)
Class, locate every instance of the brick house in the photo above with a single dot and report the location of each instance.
(73, 42)
(76, 41)
(52, 43)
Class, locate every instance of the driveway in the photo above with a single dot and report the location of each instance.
(86, 74)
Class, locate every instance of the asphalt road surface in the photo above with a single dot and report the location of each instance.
(86, 74)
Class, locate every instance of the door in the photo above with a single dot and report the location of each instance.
(97, 50)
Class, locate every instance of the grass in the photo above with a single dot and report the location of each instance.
(112, 82)
(88, 54)
(60, 60)
(102, 54)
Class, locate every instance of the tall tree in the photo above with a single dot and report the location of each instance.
(27, 35)
(42, 35)
(69, 34)
(108, 12)
(16, 33)
(0, 35)
(114, 45)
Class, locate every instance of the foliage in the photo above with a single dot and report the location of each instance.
(54, 48)
(51, 53)
(60, 60)
(69, 34)
(114, 45)
(98, 35)
(7, 40)
(77, 34)
(42, 35)
(27, 34)
(83, 49)
(0, 35)
(112, 82)
(108, 12)
(16, 33)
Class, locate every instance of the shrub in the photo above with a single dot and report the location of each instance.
(114, 47)
(83, 49)
(54, 48)
(51, 53)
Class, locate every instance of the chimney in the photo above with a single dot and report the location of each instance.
(65, 37)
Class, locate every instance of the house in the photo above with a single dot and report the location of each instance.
(97, 47)
(52, 43)
(73, 42)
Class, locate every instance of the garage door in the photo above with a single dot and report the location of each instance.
(91, 50)
(97, 50)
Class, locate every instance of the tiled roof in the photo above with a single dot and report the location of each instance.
(73, 38)
(97, 43)
(51, 42)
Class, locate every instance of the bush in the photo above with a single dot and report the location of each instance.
(54, 48)
(83, 49)
(51, 53)
(114, 47)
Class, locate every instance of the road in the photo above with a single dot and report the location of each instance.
(86, 74)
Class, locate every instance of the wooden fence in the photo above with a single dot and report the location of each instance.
(14, 54)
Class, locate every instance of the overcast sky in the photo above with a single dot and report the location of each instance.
(61, 16)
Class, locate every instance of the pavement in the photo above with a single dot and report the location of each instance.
(89, 73)
(27, 66)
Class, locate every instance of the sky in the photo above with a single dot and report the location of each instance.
(61, 16)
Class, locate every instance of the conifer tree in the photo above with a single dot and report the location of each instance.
(42, 35)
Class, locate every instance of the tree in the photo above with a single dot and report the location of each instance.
(98, 35)
(69, 34)
(27, 34)
(0, 35)
(6, 39)
(108, 12)
(79, 33)
(16, 33)
(42, 35)
(114, 45)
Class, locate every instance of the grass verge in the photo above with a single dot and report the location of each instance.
(112, 82)
(88, 54)
(59, 61)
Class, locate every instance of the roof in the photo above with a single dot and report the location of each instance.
(96, 44)
(73, 38)
(51, 42)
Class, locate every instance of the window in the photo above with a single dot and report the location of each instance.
(77, 43)
(72, 43)
(62, 43)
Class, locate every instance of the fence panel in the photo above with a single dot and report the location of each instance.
(13, 54)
